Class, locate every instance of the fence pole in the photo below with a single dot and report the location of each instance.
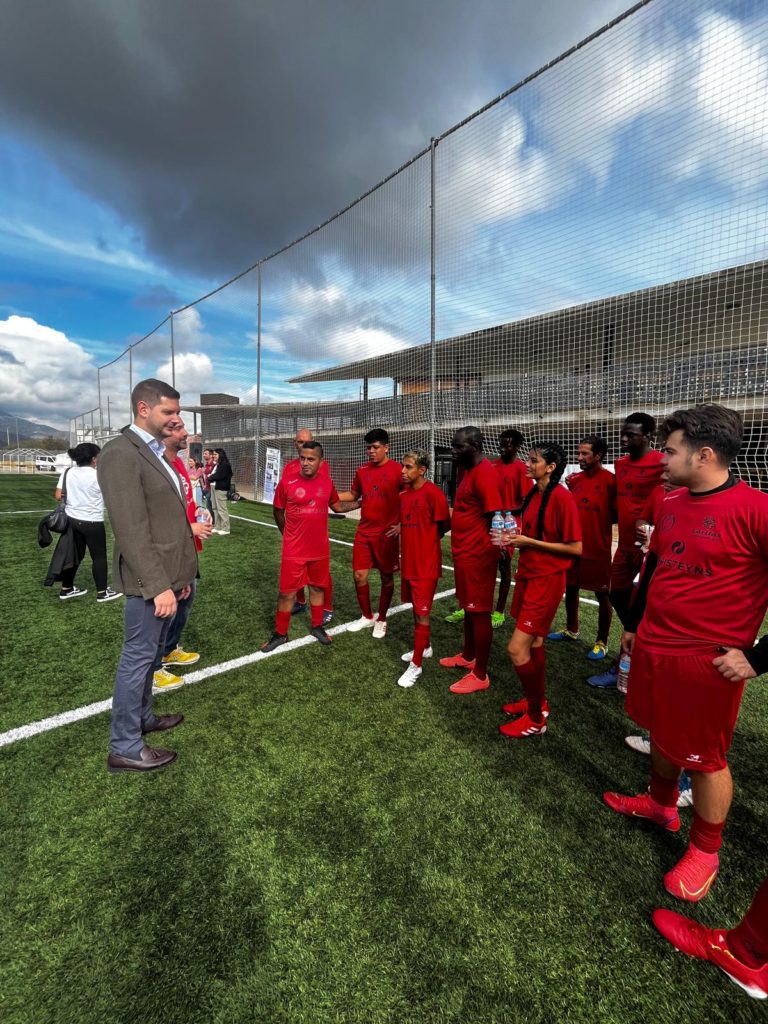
(101, 414)
(257, 444)
(173, 356)
(432, 310)
(130, 382)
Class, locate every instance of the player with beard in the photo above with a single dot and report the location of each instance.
(475, 556)
(690, 631)
(594, 491)
(638, 472)
(514, 487)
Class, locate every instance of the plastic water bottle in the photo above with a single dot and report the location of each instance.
(623, 677)
(201, 516)
(510, 528)
(497, 528)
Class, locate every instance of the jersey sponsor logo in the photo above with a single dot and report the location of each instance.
(708, 529)
(686, 567)
(696, 758)
(678, 547)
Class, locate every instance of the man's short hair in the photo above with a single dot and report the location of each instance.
(473, 435)
(646, 422)
(151, 391)
(598, 444)
(377, 434)
(314, 446)
(512, 435)
(419, 456)
(707, 426)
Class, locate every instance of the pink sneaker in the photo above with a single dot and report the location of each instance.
(711, 944)
(470, 683)
(642, 806)
(692, 877)
(457, 661)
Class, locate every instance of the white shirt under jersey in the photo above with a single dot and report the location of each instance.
(84, 500)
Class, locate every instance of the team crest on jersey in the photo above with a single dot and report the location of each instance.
(667, 522)
(300, 492)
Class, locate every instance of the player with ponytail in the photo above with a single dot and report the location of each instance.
(549, 540)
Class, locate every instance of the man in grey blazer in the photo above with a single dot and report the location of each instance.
(155, 561)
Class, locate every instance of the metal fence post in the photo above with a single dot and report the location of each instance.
(130, 381)
(101, 414)
(173, 355)
(432, 310)
(257, 443)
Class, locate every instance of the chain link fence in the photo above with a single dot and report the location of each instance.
(590, 244)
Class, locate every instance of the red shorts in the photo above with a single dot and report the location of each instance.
(590, 574)
(380, 552)
(296, 573)
(476, 583)
(419, 593)
(535, 601)
(625, 566)
(688, 707)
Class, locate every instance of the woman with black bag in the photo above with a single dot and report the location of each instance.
(221, 481)
(84, 507)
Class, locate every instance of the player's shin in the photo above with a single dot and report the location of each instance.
(420, 643)
(363, 592)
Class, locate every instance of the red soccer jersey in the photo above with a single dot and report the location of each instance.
(595, 497)
(635, 479)
(478, 494)
(710, 585)
(420, 512)
(379, 488)
(650, 513)
(561, 526)
(189, 495)
(514, 483)
(293, 468)
(306, 504)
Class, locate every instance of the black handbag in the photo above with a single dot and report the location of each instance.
(58, 520)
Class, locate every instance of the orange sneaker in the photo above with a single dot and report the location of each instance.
(643, 807)
(469, 683)
(523, 727)
(457, 661)
(520, 707)
(692, 877)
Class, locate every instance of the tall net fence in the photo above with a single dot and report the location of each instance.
(590, 244)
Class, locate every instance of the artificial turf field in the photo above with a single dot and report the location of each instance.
(329, 847)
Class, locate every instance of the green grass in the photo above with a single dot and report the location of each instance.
(328, 847)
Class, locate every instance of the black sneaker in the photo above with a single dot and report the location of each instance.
(275, 641)
(64, 595)
(320, 635)
(298, 608)
(107, 595)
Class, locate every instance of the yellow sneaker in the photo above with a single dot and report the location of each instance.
(163, 680)
(179, 656)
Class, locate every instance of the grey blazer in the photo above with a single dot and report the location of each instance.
(154, 546)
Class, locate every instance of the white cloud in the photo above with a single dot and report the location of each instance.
(115, 257)
(194, 373)
(48, 377)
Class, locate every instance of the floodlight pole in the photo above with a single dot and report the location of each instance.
(432, 308)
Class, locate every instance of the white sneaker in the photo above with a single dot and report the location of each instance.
(409, 677)
(408, 656)
(640, 744)
(380, 629)
(361, 623)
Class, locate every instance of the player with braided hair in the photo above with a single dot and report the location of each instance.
(549, 540)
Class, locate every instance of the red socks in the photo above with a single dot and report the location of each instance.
(420, 644)
(706, 836)
(748, 941)
(316, 614)
(482, 634)
(664, 791)
(532, 677)
(364, 599)
(282, 622)
(385, 599)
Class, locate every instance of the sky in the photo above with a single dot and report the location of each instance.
(151, 151)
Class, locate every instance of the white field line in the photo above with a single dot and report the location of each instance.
(27, 512)
(24, 732)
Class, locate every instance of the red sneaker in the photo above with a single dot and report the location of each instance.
(711, 944)
(523, 727)
(643, 807)
(457, 661)
(692, 877)
(520, 707)
(469, 683)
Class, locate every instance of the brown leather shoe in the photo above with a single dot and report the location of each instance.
(151, 757)
(164, 722)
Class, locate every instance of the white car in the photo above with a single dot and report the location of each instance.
(52, 463)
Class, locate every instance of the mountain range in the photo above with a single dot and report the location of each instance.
(26, 429)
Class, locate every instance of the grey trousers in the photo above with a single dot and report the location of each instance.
(132, 698)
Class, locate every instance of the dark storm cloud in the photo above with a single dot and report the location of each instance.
(158, 297)
(222, 131)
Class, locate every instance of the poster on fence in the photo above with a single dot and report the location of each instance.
(271, 473)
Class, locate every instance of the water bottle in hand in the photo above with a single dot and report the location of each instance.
(511, 528)
(497, 528)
